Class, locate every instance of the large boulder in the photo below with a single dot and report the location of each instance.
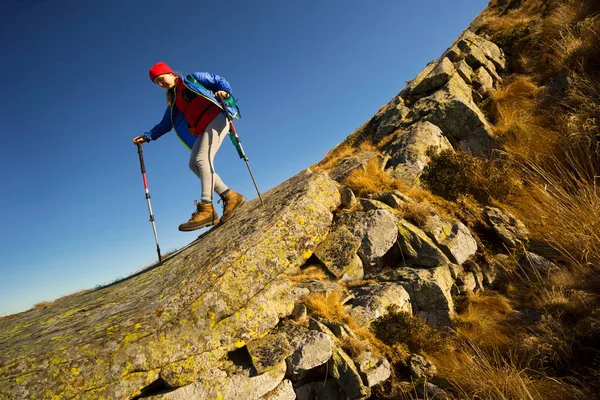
(408, 155)
(372, 368)
(452, 237)
(269, 351)
(438, 76)
(342, 368)
(372, 300)
(311, 349)
(197, 305)
(429, 290)
(417, 247)
(377, 232)
(338, 252)
(285, 391)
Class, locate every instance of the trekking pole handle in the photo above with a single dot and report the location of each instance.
(143, 167)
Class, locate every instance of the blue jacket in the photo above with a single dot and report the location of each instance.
(203, 84)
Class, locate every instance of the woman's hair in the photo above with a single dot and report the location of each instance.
(171, 92)
(171, 96)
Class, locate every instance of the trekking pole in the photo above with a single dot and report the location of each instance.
(238, 145)
(139, 146)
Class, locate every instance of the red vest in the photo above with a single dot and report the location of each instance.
(198, 111)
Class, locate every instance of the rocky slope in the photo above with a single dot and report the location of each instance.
(223, 319)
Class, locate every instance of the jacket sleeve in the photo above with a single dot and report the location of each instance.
(164, 126)
(212, 82)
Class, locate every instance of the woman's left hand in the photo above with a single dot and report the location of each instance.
(221, 94)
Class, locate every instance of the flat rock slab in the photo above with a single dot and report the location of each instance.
(211, 297)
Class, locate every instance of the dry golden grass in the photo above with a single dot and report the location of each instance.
(477, 374)
(415, 213)
(343, 150)
(309, 272)
(483, 320)
(372, 180)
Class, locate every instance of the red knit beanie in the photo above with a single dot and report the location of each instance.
(159, 68)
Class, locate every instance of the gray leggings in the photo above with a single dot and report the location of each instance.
(203, 155)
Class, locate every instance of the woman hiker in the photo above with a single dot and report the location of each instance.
(201, 124)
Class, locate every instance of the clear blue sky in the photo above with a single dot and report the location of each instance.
(76, 91)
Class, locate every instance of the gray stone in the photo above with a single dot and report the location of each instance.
(389, 118)
(532, 262)
(242, 385)
(318, 326)
(393, 198)
(371, 301)
(466, 283)
(285, 391)
(348, 199)
(348, 165)
(299, 312)
(417, 248)
(475, 269)
(252, 387)
(483, 81)
(429, 290)
(377, 232)
(373, 369)
(431, 391)
(404, 93)
(311, 349)
(269, 351)
(370, 204)
(509, 230)
(455, 270)
(491, 69)
(340, 330)
(342, 369)
(420, 367)
(452, 237)
(408, 152)
(338, 253)
(438, 76)
(465, 71)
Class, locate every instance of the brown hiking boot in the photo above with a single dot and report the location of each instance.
(205, 215)
(231, 201)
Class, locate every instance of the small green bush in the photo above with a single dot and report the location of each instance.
(399, 327)
(452, 174)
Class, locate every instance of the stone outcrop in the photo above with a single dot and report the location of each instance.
(198, 305)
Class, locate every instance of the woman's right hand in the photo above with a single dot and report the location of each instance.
(140, 139)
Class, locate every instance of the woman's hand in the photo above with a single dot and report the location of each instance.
(140, 139)
(221, 94)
